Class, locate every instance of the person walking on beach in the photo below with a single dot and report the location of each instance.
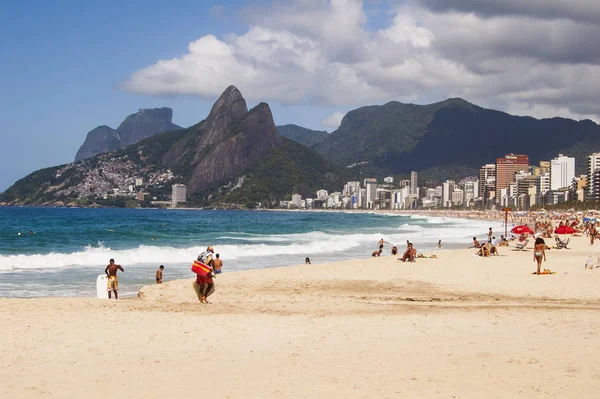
(539, 253)
(159, 274)
(204, 285)
(490, 235)
(218, 264)
(381, 245)
(113, 281)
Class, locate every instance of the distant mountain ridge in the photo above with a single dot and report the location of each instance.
(396, 138)
(234, 155)
(302, 135)
(136, 127)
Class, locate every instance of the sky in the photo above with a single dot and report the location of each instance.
(69, 66)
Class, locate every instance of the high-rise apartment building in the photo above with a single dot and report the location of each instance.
(507, 167)
(414, 183)
(593, 165)
(562, 172)
(447, 190)
(487, 180)
(371, 187)
(178, 194)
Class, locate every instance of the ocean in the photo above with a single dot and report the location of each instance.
(72, 246)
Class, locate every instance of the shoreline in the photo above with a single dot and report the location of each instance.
(460, 325)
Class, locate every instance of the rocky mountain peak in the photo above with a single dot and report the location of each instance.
(229, 107)
(231, 103)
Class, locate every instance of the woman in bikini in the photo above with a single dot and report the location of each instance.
(539, 253)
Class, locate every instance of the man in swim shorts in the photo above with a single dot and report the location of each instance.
(113, 281)
(159, 274)
(217, 264)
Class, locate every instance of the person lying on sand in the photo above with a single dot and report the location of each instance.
(376, 253)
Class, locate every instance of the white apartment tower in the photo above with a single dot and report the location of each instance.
(447, 190)
(371, 187)
(562, 172)
(414, 183)
(178, 193)
(593, 165)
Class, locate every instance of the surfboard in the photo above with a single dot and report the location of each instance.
(101, 283)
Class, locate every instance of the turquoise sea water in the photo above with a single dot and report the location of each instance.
(71, 247)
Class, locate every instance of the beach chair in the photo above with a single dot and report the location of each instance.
(560, 244)
(522, 246)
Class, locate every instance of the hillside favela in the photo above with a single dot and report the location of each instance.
(300, 199)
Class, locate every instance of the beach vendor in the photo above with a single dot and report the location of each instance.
(113, 281)
(204, 285)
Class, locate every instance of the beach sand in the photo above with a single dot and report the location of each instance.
(454, 327)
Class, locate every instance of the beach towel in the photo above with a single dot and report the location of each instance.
(545, 271)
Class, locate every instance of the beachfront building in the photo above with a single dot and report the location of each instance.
(507, 167)
(562, 172)
(297, 200)
(404, 183)
(458, 197)
(362, 198)
(178, 194)
(388, 180)
(322, 195)
(371, 187)
(351, 188)
(592, 183)
(487, 182)
(414, 183)
(447, 190)
(544, 183)
(385, 199)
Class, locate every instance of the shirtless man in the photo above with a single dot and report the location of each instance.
(217, 264)
(476, 243)
(113, 282)
(381, 244)
(159, 274)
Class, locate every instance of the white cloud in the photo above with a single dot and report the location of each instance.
(322, 52)
(333, 121)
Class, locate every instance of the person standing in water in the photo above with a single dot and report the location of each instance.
(159, 274)
(539, 253)
(113, 281)
(217, 264)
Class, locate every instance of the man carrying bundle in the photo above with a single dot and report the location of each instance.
(204, 285)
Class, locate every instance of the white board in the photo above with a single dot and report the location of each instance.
(101, 283)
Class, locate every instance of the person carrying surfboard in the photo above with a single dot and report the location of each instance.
(113, 281)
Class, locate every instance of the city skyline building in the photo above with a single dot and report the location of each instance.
(414, 183)
(562, 172)
(507, 167)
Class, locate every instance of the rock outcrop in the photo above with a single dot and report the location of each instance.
(101, 139)
(230, 140)
(135, 128)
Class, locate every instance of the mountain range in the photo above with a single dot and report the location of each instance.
(238, 155)
(451, 138)
(235, 155)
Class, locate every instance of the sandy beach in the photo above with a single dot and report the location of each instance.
(458, 326)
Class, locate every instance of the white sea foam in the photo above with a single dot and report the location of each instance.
(251, 246)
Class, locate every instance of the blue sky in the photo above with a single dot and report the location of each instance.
(63, 63)
(69, 66)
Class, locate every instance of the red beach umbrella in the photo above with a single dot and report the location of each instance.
(522, 229)
(565, 230)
